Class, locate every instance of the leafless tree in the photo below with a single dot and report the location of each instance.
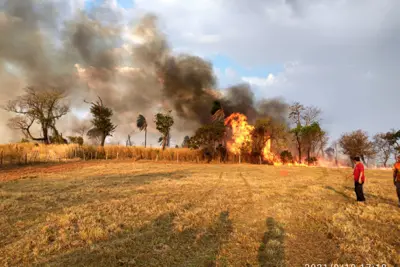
(311, 114)
(43, 106)
(81, 128)
(296, 113)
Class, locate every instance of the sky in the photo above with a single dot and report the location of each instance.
(339, 55)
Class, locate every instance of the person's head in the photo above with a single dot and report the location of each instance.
(356, 159)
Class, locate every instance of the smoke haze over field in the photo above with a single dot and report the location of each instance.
(88, 56)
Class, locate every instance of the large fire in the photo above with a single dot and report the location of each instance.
(242, 137)
(241, 132)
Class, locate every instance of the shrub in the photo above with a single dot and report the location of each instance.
(286, 156)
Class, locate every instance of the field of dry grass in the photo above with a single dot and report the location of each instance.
(125, 213)
(29, 153)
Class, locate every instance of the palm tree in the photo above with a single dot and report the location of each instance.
(141, 123)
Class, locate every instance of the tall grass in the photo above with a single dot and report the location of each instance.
(26, 153)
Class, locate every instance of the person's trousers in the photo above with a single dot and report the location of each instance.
(398, 190)
(358, 188)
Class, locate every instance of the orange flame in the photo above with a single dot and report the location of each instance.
(241, 132)
(241, 136)
(269, 156)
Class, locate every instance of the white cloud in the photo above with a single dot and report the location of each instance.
(257, 81)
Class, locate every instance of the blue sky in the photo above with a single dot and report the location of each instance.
(121, 3)
(224, 62)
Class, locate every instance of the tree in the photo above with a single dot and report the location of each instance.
(307, 131)
(207, 135)
(185, 142)
(128, 141)
(76, 140)
(297, 132)
(295, 115)
(311, 135)
(310, 114)
(81, 127)
(383, 146)
(102, 125)
(264, 129)
(330, 153)
(95, 136)
(141, 123)
(164, 122)
(286, 157)
(43, 106)
(393, 138)
(296, 111)
(357, 143)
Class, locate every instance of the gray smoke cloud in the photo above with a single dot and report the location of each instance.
(86, 56)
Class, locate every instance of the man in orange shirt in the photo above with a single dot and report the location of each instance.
(359, 179)
(396, 176)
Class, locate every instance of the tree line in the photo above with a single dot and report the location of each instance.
(300, 138)
(46, 107)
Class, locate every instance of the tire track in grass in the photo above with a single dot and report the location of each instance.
(248, 187)
(217, 185)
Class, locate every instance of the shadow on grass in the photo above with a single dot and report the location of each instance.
(33, 198)
(377, 198)
(338, 192)
(31, 166)
(271, 252)
(155, 244)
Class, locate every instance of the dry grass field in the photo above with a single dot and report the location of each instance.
(126, 213)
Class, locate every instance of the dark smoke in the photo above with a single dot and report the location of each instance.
(275, 108)
(87, 56)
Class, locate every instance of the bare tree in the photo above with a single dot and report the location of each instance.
(311, 114)
(44, 106)
(296, 113)
(81, 128)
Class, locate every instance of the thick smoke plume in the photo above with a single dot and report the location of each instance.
(89, 55)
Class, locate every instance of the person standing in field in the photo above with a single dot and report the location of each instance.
(396, 177)
(359, 179)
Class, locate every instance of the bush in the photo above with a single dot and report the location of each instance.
(76, 140)
(286, 156)
(312, 160)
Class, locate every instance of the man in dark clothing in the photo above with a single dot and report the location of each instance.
(359, 179)
(396, 177)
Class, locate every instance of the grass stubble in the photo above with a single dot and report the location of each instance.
(124, 213)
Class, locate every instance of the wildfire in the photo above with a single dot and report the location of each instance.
(242, 138)
(268, 155)
(241, 132)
